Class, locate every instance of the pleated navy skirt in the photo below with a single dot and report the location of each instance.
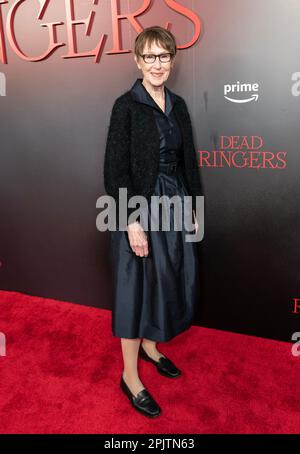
(155, 297)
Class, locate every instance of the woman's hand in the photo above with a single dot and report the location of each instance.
(138, 239)
(195, 222)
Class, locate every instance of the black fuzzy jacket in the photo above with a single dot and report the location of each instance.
(132, 149)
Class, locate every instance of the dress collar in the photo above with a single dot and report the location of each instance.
(140, 94)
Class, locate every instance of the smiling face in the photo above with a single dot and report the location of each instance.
(155, 74)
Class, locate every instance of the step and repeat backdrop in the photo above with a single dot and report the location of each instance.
(62, 65)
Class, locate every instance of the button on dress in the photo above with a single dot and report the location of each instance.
(155, 297)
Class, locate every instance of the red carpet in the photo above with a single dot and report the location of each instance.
(62, 368)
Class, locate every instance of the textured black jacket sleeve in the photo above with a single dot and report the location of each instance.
(117, 153)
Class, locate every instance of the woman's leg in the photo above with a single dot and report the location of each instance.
(130, 348)
(150, 348)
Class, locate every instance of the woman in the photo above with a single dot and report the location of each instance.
(150, 151)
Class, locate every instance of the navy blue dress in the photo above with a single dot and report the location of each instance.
(155, 296)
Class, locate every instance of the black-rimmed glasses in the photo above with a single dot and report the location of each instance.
(151, 58)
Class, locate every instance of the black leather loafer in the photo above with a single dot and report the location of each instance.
(164, 365)
(143, 402)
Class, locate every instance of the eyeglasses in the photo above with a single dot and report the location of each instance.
(151, 58)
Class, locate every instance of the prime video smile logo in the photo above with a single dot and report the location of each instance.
(241, 92)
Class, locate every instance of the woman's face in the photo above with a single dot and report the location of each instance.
(155, 73)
